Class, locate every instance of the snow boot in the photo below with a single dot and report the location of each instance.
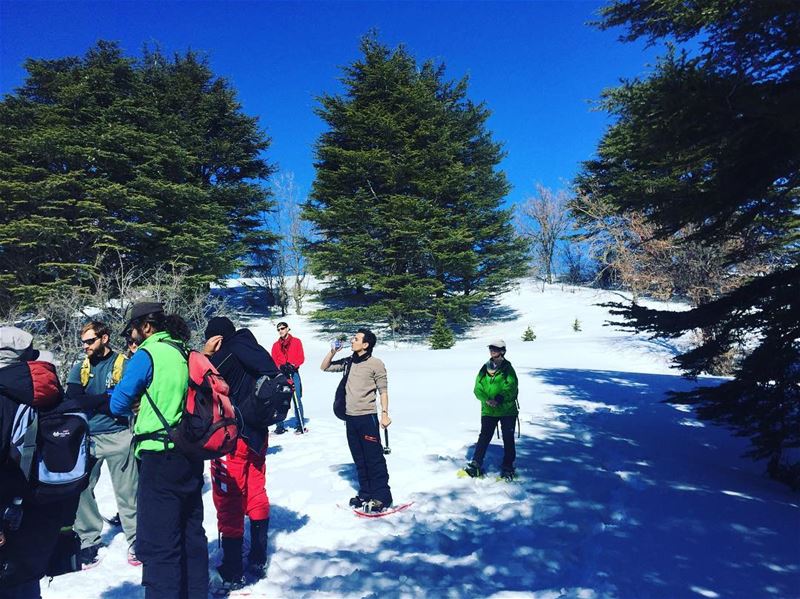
(508, 474)
(473, 470)
(230, 570)
(257, 557)
(357, 501)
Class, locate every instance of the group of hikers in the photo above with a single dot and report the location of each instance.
(131, 399)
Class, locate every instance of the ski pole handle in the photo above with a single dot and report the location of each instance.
(386, 449)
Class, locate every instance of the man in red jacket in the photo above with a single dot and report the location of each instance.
(287, 352)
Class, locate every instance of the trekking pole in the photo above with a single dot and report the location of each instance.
(297, 411)
(386, 449)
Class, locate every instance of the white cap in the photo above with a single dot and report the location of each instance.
(498, 343)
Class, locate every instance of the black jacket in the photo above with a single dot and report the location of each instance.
(241, 361)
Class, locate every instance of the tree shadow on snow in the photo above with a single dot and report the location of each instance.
(619, 493)
(126, 590)
(252, 300)
(347, 472)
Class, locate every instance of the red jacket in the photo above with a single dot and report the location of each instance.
(288, 350)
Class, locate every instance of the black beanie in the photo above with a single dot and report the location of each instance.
(220, 325)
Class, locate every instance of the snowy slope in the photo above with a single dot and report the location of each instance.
(621, 496)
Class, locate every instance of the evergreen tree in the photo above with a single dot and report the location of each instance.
(407, 196)
(528, 334)
(151, 158)
(712, 142)
(441, 334)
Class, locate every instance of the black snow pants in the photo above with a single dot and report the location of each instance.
(170, 539)
(488, 426)
(363, 437)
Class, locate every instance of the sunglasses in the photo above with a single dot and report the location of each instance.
(282, 328)
(494, 348)
(89, 341)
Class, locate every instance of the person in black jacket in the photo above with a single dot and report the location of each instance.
(239, 483)
(28, 531)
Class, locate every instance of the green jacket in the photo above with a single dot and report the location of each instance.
(504, 383)
(167, 389)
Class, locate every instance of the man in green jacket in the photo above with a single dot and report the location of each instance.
(171, 541)
(496, 387)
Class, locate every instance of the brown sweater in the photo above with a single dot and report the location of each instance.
(364, 380)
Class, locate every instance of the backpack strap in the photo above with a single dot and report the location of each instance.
(118, 368)
(164, 433)
(86, 372)
(28, 449)
(177, 346)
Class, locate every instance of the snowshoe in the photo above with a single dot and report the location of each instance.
(507, 474)
(373, 506)
(473, 470)
(221, 587)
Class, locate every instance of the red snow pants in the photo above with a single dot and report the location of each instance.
(239, 488)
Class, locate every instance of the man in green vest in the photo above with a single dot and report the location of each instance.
(110, 441)
(171, 541)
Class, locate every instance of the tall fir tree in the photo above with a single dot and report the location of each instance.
(713, 142)
(152, 159)
(407, 196)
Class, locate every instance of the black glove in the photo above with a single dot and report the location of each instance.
(12, 515)
(288, 369)
(498, 398)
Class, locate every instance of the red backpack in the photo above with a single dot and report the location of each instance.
(208, 427)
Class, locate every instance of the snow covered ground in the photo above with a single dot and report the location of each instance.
(620, 496)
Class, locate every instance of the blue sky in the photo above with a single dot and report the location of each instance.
(537, 64)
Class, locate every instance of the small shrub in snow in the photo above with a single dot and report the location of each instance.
(576, 325)
(528, 335)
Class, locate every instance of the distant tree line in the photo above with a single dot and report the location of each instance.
(103, 156)
(151, 161)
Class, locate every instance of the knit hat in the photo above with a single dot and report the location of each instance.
(16, 346)
(220, 325)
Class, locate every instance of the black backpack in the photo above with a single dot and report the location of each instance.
(268, 403)
(340, 398)
(52, 449)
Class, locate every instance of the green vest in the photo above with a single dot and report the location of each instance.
(167, 390)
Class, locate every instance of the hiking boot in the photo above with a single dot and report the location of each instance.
(89, 557)
(280, 429)
(508, 474)
(300, 431)
(373, 506)
(132, 559)
(473, 470)
(357, 501)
